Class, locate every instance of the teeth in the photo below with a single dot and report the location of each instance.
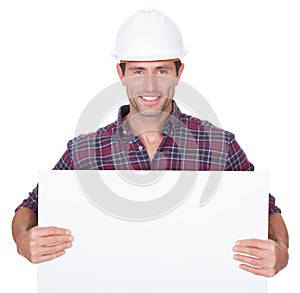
(149, 98)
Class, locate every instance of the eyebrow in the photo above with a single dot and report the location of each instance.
(136, 68)
(156, 67)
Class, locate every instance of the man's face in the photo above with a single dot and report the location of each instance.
(150, 86)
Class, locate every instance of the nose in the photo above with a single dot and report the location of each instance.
(150, 84)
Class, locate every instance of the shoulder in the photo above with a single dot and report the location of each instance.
(93, 139)
(204, 127)
(86, 150)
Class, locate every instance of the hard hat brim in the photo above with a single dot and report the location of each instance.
(158, 60)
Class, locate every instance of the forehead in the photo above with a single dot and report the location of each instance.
(150, 64)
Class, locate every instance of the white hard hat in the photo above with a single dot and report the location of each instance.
(148, 35)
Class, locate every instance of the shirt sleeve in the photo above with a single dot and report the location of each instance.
(65, 163)
(31, 202)
(272, 206)
(236, 158)
(238, 161)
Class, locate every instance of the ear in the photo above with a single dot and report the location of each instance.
(120, 73)
(180, 71)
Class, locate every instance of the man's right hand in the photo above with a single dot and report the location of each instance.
(35, 243)
(40, 244)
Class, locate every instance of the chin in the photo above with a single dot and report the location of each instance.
(151, 113)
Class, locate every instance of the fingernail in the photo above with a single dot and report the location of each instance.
(238, 242)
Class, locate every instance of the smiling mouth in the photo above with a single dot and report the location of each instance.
(150, 98)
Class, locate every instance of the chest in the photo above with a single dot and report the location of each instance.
(164, 154)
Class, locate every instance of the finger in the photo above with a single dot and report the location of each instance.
(253, 251)
(258, 271)
(53, 249)
(37, 254)
(55, 239)
(262, 244)
(48, 257)
(257, 262)
(45, 231)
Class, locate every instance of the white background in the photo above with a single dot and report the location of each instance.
(55, 57)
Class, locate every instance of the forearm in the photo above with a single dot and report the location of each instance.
(23, 221)
(277, 230)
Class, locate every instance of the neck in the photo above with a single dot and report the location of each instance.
(143, 125)
(151, 140)
(148, 129)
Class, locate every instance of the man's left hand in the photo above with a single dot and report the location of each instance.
(263, 257)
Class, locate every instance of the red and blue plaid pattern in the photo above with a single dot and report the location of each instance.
(188, 144)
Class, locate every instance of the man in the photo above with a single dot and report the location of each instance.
(152, 134)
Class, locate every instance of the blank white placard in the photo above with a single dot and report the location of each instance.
(188, 250)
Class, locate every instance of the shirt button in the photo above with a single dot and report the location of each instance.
(140, 148)
(124, 131)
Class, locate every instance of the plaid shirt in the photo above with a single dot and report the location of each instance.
(188, 144)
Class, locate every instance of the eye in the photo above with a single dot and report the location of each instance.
(138, 72)
(161, 71)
